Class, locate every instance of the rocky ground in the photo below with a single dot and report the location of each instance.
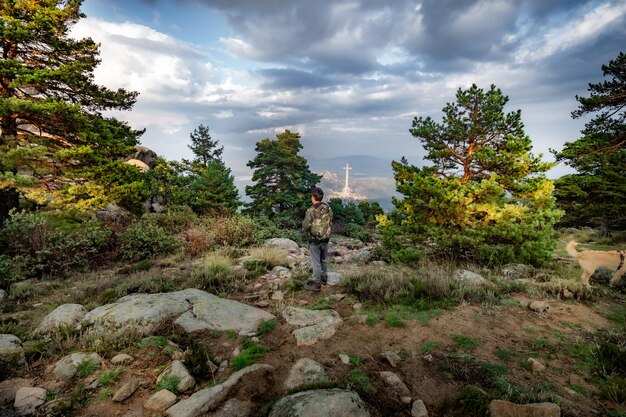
(273, 349)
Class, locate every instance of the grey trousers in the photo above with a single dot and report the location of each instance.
(319, 260)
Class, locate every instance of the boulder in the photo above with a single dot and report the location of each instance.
(499, 408)
(192, 309)
(516, 271)
(334, 278)
(396, 385)
(305, 371)
(286, 244)
(178, 370)
(114, 214)
(122, 359)
(145, 155)
(3, 297)
(392, 358)
(142, 166)
(315, 324)
(282, 272)
(235, 408)
(66, 315)
(28, 399)
(419, 409)
(9, 388)
(539, 306)
(536, 365)
(200, 401)
(469, 277)
(325, 402)
(11, 352)
(160, 401)
(127, 390)
(66, 368)
(363, 255)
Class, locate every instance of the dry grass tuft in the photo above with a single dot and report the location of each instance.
(272, 256)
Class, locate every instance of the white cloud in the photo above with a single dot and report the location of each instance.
(588, 26)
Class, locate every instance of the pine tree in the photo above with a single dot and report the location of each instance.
(282, 180)
(596, 194)
(485, 197)
(51, 126)
(204, 147)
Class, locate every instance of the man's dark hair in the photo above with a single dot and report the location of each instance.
(317, 193)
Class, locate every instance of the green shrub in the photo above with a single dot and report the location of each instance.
(356, 231)
(464, 342)
(9, 273)
(267, 326)
(472, 401)
(216, 282)
(361, 381)
(144, 265)
(43, 245)
(197, 360)
(169, 383)
(408, 256)
(86, 367)
(111, 376)
(173, 220)
(249, 355)
(146, 240)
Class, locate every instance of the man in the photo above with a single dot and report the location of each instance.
(317, 224)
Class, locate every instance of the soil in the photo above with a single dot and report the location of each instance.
(505, 335)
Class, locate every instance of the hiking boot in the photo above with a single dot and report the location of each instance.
(313, 286)
(324, 279)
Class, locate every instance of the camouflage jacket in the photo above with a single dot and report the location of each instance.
(317, 223)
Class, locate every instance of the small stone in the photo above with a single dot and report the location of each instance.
(127, 390)
(278, 296)
(345, 359)
(262, 303)
(392, 357)
(394, 381)
(9, 388)
(428, 357)
(536, 365)
(539, 306)
(122, 359)
(178, 370)
(255, 339)
(576, 380)
(236, 352)
(357, 306)
(305, 371)
(334, 278)
(359, 318)
(160, 401)
(419, 409)
(567, 294)
(28, 399)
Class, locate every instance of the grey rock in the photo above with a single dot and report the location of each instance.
(66, 368)
(178, 370)
(363, 255)
(315, 403)
(516, 271)
(419, 409)
(318, 324)
(192, 309)
(127, 390)
(536, 365)
(392, 358)
(200, 401)
(334, 278)
(499, 408)
(235, 408)
(396, 384)
(286, 244)
(122, 359)
(11, 352)
(160, 401)
(3, 297)
(282, 272)
(67, 315)
(469, 277)
(539, 306)
(28, 399)
(305, 371)
(145, 155)
(113, 213)
(9, 388)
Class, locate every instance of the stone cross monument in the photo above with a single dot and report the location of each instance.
(346, 187)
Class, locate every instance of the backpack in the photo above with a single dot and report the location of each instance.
(322, 222)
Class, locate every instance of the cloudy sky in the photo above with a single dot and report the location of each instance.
(349, 75)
